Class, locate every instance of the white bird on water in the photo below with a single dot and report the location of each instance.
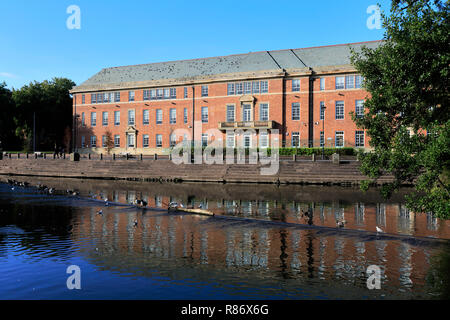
(106, 202)
(100, 212)
(379, 229)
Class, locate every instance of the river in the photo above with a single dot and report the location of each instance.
(265, 242)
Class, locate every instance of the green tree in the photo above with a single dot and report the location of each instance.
(109, 142)
(408, 115)
(51, 103)
(7, 127)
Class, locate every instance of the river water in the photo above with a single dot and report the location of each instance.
(265, 242)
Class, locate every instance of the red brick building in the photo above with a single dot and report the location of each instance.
(306, 94)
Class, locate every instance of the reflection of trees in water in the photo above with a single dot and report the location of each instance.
(438, 276)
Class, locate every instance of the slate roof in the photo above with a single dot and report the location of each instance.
(239, 63)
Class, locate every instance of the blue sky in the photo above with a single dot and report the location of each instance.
(37, 45)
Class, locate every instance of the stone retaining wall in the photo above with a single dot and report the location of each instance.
(290, 172)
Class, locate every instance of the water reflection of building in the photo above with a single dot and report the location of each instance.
(293, 252)
(392, 218)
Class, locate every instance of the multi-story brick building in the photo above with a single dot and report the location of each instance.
(307, 94)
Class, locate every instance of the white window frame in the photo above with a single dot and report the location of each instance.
(247, 87)
(131, 140)
(360, 139)
(231, 89)
(350, 82)
(173, 116)
(295, 134)
(159, 141)
(263, 115)
(255, 87)
(231, 135)
(322, 110)
(93, 141)
(322, 83)
(205, 115)
(131, 120)
(145, 141)
(295, 85)
(173, 140)
(340, 133)
(93, 119)
(239, 88)
(204, 90)
(117, 96)
(264, 86)
(263, 140)
(340, 82)
(294, 113)
(105, 119)
(159, 116)
(204, 139)
(359, 108)
(231, 107)
(146, 116)
(339, 110)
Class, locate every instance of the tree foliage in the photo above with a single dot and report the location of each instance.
(51, 103)
(408, 119)
(7, 128)
(109, 142)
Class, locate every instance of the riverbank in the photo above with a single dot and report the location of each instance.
(345, 173)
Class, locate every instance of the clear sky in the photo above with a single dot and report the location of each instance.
(37, 45)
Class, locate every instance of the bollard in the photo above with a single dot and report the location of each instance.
(155, 157)
(75, 156)
(101, 156)
(114, 156)
(18, 155)
(313, 157)
(45, 156)
(294, 157)
(141, 156)
(127, 156)
(35, 155)
(64, 155)
(9, 155)
(170, 156)
(89, 156)
(335, 158)
(27, 155)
